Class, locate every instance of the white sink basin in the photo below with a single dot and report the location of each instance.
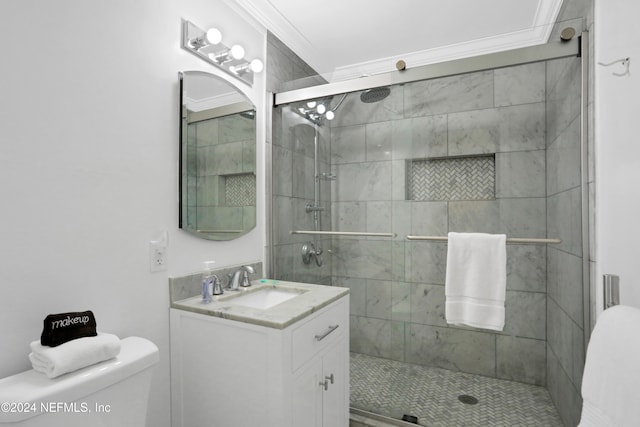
(263, 298)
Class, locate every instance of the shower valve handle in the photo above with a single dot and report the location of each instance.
(311, 207)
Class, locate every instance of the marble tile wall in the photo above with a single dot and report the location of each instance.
(565, 317)
(397, 286)
(292, 163)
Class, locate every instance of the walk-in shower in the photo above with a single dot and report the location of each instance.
(489, 144)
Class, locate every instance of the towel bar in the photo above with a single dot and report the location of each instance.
(509, 240)
(343, 233)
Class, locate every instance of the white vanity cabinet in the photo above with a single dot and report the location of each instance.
(320, 388)
(228, 373)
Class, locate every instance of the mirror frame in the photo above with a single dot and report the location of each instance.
(221, 111)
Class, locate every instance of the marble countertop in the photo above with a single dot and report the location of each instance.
(311, 298)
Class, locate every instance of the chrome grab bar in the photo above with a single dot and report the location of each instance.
(343, 233)
(509, 240)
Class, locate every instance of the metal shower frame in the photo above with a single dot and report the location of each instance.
(576, 47)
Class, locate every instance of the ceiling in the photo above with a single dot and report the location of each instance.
(344, 39)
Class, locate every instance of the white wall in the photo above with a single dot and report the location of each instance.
(618, 148)
(88, 166)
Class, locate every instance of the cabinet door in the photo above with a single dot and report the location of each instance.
(334, 399)
(307, 396)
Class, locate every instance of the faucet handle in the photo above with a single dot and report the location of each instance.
(247, 269)
(217, 285)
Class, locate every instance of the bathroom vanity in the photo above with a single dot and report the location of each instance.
(273, 354)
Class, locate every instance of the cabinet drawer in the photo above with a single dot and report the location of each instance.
(314, 335)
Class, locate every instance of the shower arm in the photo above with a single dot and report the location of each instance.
(344, 95)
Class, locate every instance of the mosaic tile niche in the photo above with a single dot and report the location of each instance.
(240, 190)
(457, 178)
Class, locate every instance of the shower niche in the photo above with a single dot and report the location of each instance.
(457, 178)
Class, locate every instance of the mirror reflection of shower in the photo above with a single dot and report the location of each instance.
(318, 109)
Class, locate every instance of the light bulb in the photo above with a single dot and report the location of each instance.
(330, 115)
(256, 66)
(213, 36)
(311, 104)
(321, 109)
(237, 51)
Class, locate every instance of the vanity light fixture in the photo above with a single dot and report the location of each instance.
(226, 55)
(208, 46)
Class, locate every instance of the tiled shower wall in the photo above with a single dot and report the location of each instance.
(565, 334)
(293, 190)
(292, 187)
(397, 286)
(565, 263)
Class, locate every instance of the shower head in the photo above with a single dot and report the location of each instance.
(376, 94)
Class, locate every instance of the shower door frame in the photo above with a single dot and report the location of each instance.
(491, 61)
(576, 47)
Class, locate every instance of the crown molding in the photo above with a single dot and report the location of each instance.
(538, 33)
(478, 47)
(264, 12)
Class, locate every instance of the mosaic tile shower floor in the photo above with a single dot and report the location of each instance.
(392, 389)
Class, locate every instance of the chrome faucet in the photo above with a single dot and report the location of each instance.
(240, 278)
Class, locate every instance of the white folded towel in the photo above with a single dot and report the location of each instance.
(611, 376)
(74, 354)
(476, 280)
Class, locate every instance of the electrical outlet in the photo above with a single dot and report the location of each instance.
(157, 256)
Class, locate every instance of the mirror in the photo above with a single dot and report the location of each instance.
(217, 158)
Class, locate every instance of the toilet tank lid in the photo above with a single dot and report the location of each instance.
(136, 354)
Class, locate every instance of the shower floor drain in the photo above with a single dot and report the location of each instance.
(467, 400)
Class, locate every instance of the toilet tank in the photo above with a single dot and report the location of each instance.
(111, 393)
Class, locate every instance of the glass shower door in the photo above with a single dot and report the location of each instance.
(494, 151)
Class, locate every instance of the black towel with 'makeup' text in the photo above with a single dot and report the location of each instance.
(63, 327)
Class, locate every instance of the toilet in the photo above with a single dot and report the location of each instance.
(111, 393)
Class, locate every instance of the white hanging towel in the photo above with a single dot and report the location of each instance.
(610, 392)
(476, 280)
